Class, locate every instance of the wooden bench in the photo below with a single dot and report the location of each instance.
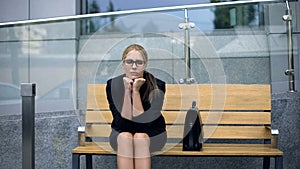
(236, 117)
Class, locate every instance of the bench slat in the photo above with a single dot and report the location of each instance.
(209, 97)
(96, 97)
(235, 97)
(176, 117)
(211, 132)
(175, 149)
(225, 132)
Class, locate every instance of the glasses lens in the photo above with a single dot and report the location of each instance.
(137, 62)
(129, 62)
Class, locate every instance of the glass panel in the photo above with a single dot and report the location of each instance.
(53, 65)
(63, 56)
(216, 57)
(219, 17)
(14, 61)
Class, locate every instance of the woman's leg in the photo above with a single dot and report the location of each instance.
(125, 151)
(142, 159)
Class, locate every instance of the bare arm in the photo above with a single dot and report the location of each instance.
(127, 105)
(137, 104)
(127, 108)
(134, 107)
(138, 108)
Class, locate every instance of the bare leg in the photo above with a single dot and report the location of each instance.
(125, 151)
(142, 159)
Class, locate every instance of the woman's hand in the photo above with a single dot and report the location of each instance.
(133, 84)
(137, 83)
(127, 83)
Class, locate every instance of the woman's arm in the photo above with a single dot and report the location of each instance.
(152, 109)
(137, 106)
(127, 105)
(122, 123)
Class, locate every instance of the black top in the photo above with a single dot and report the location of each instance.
(151, 121)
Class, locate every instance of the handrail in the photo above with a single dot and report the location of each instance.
(159, 9)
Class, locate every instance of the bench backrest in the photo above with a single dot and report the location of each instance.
(230, 111)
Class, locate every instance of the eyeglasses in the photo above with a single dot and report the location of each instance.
(130, 62)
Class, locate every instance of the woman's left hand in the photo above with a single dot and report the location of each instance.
(138, 83)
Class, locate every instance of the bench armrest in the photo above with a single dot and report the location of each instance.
(81, 129)
(274, 137)
(81, 135)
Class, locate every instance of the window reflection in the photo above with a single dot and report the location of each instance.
(220, 17)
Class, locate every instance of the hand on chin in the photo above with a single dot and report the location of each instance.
(134, 76)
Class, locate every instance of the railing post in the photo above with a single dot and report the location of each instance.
(187, 26)
(28, 92)
(290, 71)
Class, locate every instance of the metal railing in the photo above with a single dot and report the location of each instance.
(159, 9)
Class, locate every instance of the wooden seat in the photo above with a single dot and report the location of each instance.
(236, 118)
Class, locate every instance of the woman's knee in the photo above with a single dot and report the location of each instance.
(141, 138)
(126, 134)
(141, 145)
(125, 144)
(125, 138)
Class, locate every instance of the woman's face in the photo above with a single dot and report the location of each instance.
(134, 65)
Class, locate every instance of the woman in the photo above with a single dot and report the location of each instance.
(136, 100)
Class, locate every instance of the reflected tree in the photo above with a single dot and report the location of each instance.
(94, 8)
(94, 24)
(111, 27)
(234, 16)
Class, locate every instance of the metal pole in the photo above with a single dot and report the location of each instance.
(290, 71)
(187, 26)
(28, 92)
(187, 46)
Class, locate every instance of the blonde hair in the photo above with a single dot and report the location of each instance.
(138, 48)
(150, 79)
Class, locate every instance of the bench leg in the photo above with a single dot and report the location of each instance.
(89, 161)
(266, 162)
(75, 161)
(279, 162)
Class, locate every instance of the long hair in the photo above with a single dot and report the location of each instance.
(150, 79)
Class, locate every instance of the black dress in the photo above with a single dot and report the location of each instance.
(151, 121)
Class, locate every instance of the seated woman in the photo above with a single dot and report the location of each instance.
(135, 99)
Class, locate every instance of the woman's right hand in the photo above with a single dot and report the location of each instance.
(127, 83)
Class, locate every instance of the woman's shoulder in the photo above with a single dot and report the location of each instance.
(115, 79)
(161, 84)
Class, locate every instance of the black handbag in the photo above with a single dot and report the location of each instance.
(193, 130)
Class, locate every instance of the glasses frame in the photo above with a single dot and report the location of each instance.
(134, 62)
